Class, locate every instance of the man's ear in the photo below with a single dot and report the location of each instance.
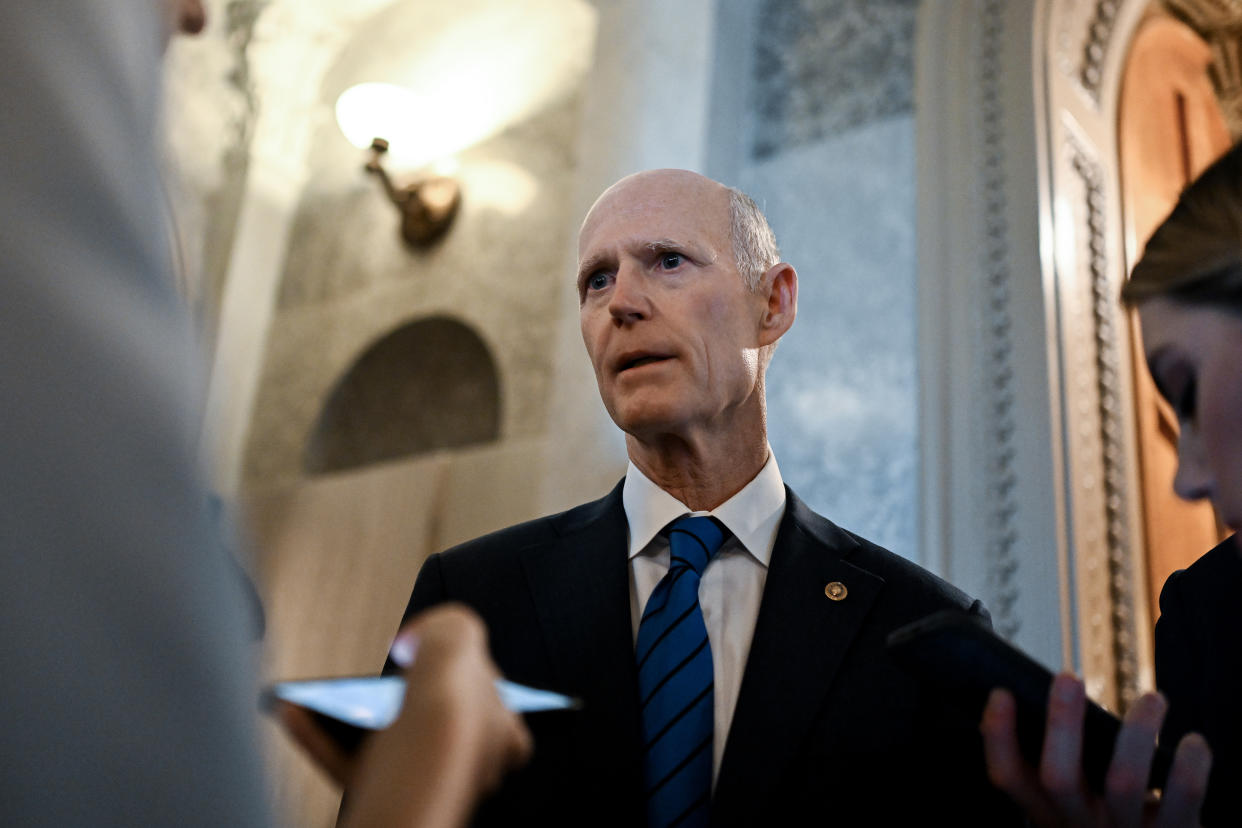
(779, 288)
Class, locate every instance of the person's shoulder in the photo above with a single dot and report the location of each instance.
(904, 580)
(1213, 578)
(537, 532)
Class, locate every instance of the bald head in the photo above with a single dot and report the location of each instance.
(723, 210)
(654, 190)
(670, 182)
(679, 340)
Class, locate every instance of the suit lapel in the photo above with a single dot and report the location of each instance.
(801, 637)
(580, 587)
(581, 592)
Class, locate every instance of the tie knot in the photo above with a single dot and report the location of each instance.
(693, 541)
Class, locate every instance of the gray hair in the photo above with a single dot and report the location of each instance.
(754, 243)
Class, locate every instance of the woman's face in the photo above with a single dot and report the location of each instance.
(1194, 353)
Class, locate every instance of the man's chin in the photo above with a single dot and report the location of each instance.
(650, 426)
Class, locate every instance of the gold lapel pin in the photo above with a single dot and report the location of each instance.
(836, 591)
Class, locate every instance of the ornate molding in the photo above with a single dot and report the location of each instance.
(1110, 410)
(1095, 47)
(1041, 467)
(997, 329)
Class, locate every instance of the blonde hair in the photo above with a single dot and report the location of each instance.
(1195, 255)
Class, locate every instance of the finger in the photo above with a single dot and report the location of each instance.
(440, 633)
(404, 647)
(1187, 784)
(331, 758)
(512, 749)
(1060, 766)
(1125, 786)
(522, 744)
(1007, 770)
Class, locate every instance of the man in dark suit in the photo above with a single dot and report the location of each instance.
(683, 298)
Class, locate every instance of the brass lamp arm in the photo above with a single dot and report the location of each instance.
(427, 206)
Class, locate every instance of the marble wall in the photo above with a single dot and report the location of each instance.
(313, 274)
(348, 279)
(829, 154)
(842, 390)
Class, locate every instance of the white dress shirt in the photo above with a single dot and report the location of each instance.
(732, 584)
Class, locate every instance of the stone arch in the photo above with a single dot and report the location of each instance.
(429, 384)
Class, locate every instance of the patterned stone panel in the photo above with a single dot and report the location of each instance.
(823, 67)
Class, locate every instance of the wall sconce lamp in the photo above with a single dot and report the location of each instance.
(427, 206)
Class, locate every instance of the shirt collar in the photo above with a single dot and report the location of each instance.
(753, 515)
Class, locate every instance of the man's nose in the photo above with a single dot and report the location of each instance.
(1193, 480)
(629, 301)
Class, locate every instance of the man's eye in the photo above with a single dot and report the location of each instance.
(671, 261)
(597, 281)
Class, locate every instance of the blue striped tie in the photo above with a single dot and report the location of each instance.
(675, 682)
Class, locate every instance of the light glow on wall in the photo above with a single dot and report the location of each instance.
(469, 76)
(502, 186)
(377, 110)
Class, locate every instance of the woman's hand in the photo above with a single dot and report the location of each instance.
(1056, 794)
(453, 741)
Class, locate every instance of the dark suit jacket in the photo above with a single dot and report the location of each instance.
(826, 730)
(1199, 669)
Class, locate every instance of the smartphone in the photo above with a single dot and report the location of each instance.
(960, 655)
(350, 707)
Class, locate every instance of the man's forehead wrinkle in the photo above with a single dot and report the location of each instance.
(700, 249)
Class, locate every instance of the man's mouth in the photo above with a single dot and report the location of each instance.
(639, 360)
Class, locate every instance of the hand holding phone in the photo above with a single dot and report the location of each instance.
(1053, 792)
(961, 656)
(1062, 758)
(452, 741)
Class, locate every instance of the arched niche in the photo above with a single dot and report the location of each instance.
(430, 384)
